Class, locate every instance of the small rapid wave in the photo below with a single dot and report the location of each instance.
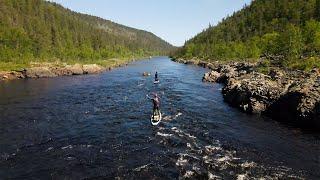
(171, 118)
(212, 161)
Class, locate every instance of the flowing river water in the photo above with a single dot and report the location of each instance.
(97, 126)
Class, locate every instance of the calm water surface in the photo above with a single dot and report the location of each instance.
(97, 126)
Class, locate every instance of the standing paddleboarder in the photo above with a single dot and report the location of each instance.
(156, 105)
(156, 77)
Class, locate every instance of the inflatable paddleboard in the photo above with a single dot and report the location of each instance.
(156, 82)
(156, 119)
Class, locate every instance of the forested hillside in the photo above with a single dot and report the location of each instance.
(287, 31)
(38, 30)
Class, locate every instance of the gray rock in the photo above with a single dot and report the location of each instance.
(146, 74)
(253, 91)
(75, 69)
(92, 69)
(39, 72)
(284, 95)
(211, 76)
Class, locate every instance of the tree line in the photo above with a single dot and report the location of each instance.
(286, 29)
(41, 30)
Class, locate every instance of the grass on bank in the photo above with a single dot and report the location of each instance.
(306, 64)
(10, 66)
(20, 65)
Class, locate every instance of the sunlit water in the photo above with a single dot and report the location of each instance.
(97, 126)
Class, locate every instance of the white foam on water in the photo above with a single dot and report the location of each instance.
(67, 147)
(182, 134)
(188, 174)
(212, 176)
(183, 159)
(190, 136)
(242, 177)
(178, 115)
(69, 158)
(170, 118)
(248, 164)
(142, 167)
(211, 148)
(49, 149)
(224, 159)
(86, 145)
(199, 159)
(164, 134)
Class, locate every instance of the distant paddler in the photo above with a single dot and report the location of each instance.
(156, 80)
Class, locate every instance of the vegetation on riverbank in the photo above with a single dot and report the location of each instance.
(286, 33)
(41, 31)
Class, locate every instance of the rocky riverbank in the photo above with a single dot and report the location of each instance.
(291, 96)
(47, 70)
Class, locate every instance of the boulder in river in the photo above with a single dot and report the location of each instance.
(75, 69)
(92, 69)
(300, 104)
(286, 95)
(11, 75)
(62, 71)
(252, 93)
(211, 76)
(39, 72)
(146, 74)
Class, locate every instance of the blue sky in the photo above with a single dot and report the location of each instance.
(173, 20)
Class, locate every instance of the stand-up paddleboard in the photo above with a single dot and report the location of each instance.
(156, 82)
(156, 119)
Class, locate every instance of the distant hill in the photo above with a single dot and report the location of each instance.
(41, 30)
(285, 30)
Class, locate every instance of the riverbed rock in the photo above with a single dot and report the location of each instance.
(75, 69)
(226, 72)
(6, 76)
(211, 76)
(61, 71)
(92, 69)
(300, 104)
(203, 64)
(39, 72)
(285, 95)
(252, 93)
(276, 73)
(146, 74)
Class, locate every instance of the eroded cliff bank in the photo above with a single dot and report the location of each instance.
(291, 96)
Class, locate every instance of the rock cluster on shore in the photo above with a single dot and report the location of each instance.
(291, 96)
(49, 70)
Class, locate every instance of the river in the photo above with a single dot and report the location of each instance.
(97, 126)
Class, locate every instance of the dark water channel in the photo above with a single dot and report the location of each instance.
(97, 126)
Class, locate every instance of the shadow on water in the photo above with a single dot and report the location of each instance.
(97, 126)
